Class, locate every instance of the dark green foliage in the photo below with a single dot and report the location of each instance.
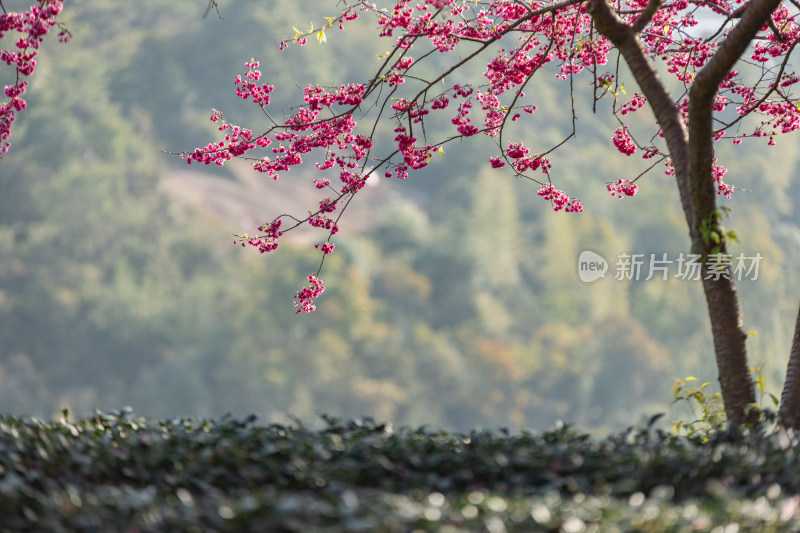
(120, 472)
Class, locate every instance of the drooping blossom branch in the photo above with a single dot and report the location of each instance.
(31, 27)
(534, 38)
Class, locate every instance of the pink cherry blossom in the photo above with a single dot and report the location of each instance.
(304, 299)
(32, 26)
(622, 188)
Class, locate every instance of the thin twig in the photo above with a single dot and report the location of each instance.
(212, 3)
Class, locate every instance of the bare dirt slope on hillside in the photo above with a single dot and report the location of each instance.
(250, 199)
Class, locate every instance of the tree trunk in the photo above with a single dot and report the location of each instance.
(735, 380)
(692, 154)
(723, 304)
(708, 237)
(789, 412)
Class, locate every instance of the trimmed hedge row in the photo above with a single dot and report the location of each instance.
(119, 472)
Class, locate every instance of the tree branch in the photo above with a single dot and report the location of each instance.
(661, 103)
(752, 20)
(701, 109)
(647, 15)
(772, 88)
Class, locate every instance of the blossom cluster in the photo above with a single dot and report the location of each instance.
(32, 25)
(622, 188)
(560, 200)
(266, 242)
(247, 86)
(717, 173)
(637, 102)
(304, 299)
(623, 142)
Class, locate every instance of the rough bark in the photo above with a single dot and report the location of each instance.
(789, 412)
(692, 155)
(723, 304)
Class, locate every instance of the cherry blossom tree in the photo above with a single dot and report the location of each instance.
(29, 28)
(732, 83)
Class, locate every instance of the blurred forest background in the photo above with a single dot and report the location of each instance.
(453, 297)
